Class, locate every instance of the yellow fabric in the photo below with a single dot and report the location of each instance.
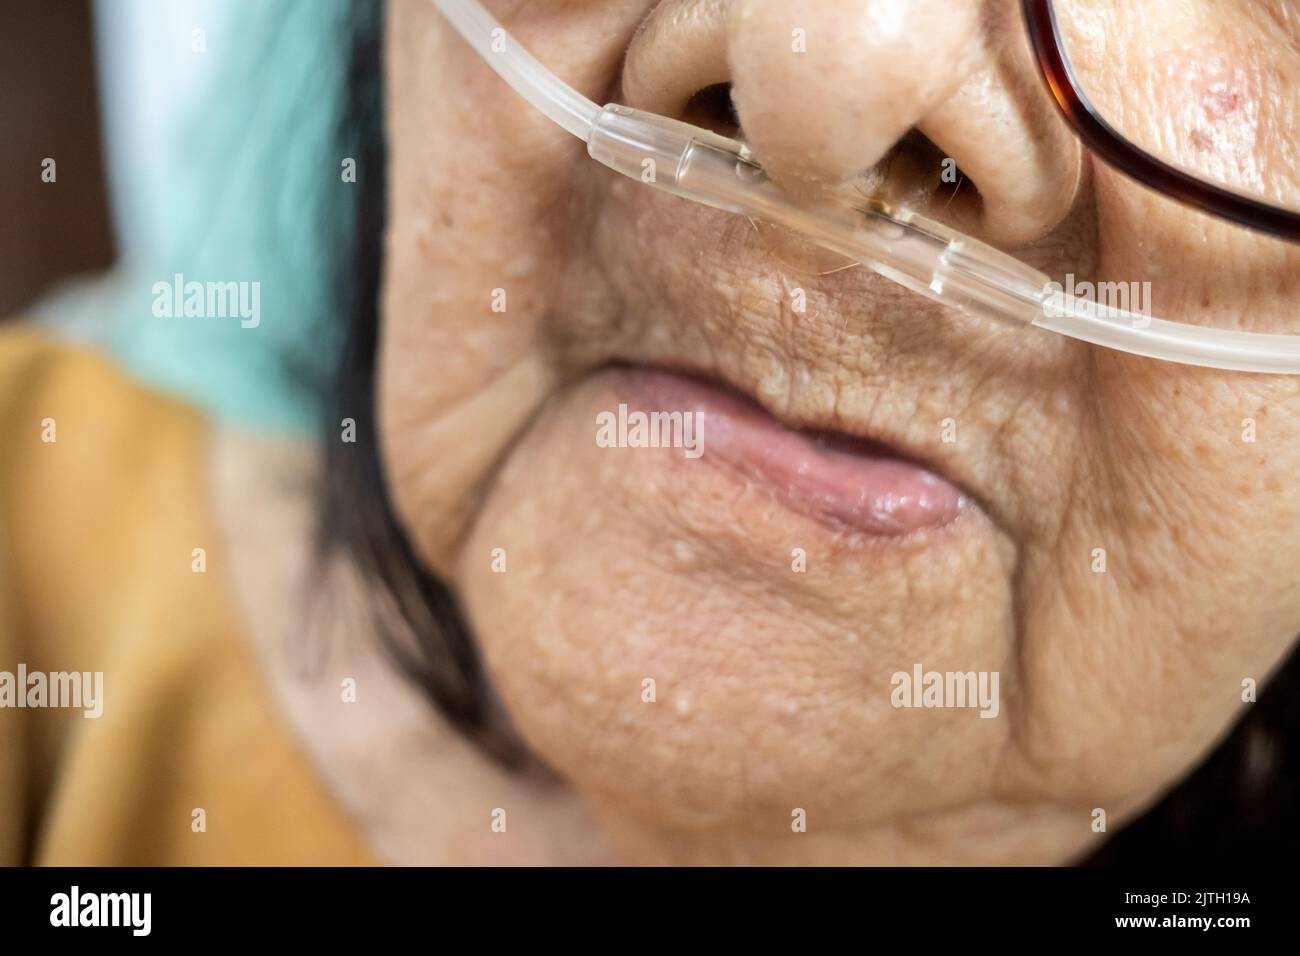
(97, 530)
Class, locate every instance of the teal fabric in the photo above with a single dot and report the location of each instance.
(253, 192)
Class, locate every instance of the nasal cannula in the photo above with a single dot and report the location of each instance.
(917, 252)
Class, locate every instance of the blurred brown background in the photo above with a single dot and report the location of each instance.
(48, 109)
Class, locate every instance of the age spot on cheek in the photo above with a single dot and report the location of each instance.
(1221, 100)
(1222, 116)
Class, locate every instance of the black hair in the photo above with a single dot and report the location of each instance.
(1237, 806)
(422, 630)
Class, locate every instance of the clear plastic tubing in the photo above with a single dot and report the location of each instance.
(923, 255)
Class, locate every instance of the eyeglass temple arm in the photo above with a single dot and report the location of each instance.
(923, 255)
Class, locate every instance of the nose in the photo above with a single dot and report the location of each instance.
(934, 101)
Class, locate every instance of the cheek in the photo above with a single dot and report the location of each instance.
(1211, 90)
(652, 641)
(479, 244)
(470, 273)
(1206, 86)
(1178, 561)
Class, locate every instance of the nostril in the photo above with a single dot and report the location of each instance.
(950, 181)
(712, 108)
(918, 175)
(915, 174)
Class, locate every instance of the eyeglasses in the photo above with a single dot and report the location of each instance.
(917, 252)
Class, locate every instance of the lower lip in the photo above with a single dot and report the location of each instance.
(839, 481)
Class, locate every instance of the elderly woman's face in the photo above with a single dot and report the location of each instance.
(705, 644)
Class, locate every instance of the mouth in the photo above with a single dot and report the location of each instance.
(847, 483)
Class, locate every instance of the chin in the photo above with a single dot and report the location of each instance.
(704, 613)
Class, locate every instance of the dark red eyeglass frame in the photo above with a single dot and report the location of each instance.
(1131, 160)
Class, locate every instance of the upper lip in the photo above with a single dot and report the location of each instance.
(694, 291)
(966, 463)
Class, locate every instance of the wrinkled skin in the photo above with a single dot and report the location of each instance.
(773, 687)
